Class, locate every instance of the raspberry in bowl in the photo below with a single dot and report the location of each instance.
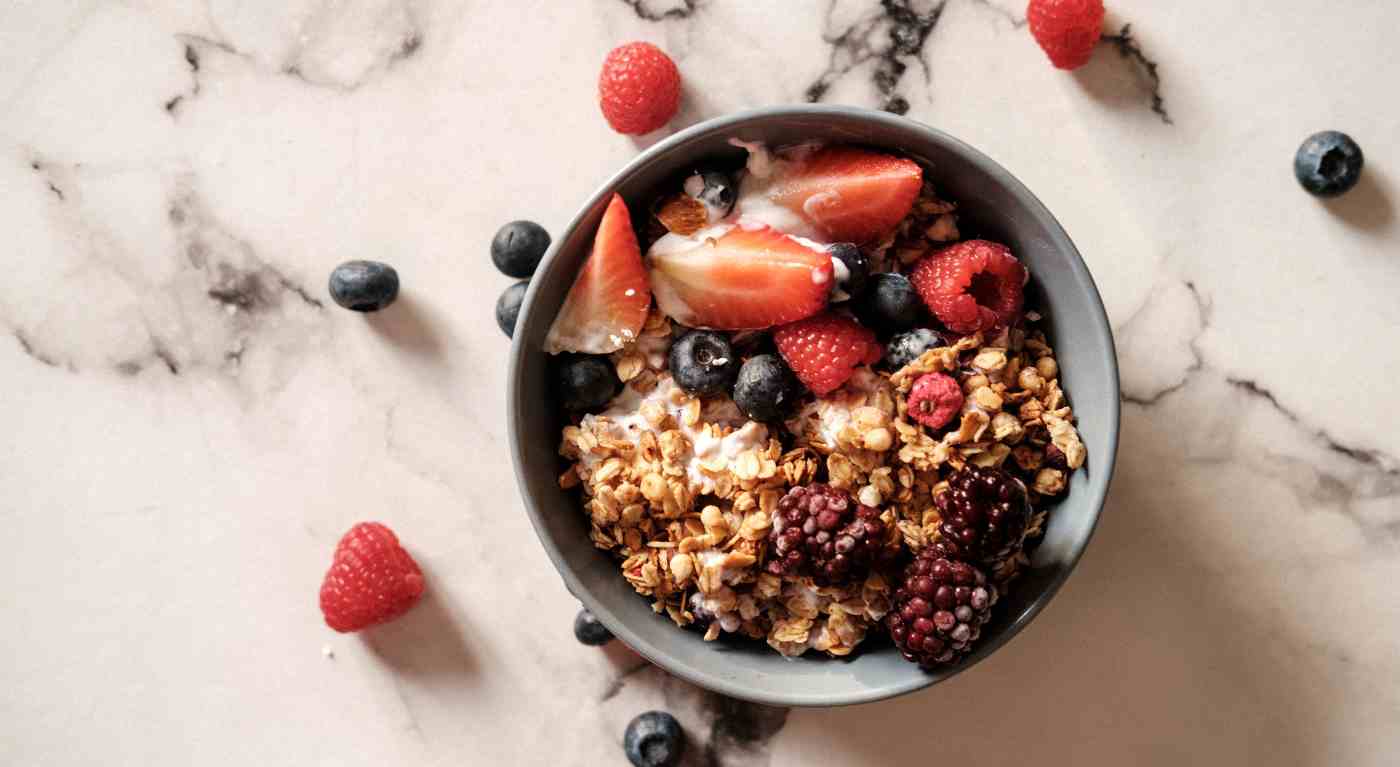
(840, 435)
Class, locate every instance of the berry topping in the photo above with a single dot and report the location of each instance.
(639, 89)
(852, 270)
(907, 347)
(607, 304)
(938, 610)
(746, 279)
(654, 739)
(714, 189)
(765, 389)
(1067, 30)
(889, 304)
(844, 193)
(508, 307)
(371, 580)
(982, 516)
(1328, 163)
(703, 363)
(935, 400)
(822, 532)
(824, 350)
(518, 247)
(972, 286)
(589, 631)
(364, 286)
(586, 382)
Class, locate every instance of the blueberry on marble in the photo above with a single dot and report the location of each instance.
(765, 388)
(703, 363)
(508, 307)
(364, 286)
(589, 631)
(586, 382)
(1328, 163)
(909, 346)
(654, 739)
(889, 304)
(715, 189)
(518, 247)
(852, 269)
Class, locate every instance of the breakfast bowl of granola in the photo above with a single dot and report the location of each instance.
(813, 405)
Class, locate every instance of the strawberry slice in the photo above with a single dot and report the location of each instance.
(607, 305)
(745, 279)
(845, 193)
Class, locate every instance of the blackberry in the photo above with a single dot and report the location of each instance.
(938, 609)
(983, 516)
(822, 532)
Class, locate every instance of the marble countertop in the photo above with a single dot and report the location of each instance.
(191, 424)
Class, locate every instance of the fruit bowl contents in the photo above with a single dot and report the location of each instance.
(803, 410)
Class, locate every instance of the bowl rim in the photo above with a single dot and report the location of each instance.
(1059, 239)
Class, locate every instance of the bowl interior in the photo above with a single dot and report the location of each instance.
(993, 205)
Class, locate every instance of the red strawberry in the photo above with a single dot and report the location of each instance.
(639, 88)
(1067, 30)
(607, 304)
(747, 279)
(371, 580)
(972, 286)
(824, 350)
(846, 194)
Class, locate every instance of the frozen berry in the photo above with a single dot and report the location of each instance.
(713, 188)
(938, 609)
(935, 400)
(765, 389)
(972, 286)
(824, 350)
(907, 347)
(889, 304)
(639, 88)
(589, 631)
(586, 382)
(982, 517)
(1067, 30)
(851, 267)
(364, 286)
(371, 580)
(703, 363)
(822, 532)
(508, 307)
(1328, 163)
(518, 247)
(654, 739)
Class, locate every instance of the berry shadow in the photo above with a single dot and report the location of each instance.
(410, 326)
(1367, 206)
(428, 642)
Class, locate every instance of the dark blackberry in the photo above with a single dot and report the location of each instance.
(938, 609)
(983, 516)
(822, 532)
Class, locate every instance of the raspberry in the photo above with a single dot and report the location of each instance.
(825, 349)
(371, 580)
(938, 610)
(935, 400)
(1067, 30)
(973, 286)
(820, 531)
(639, 88)
(983, 517)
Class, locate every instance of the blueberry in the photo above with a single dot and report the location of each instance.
(852, 268)
(364, 286)
(907, 347)
(586, 382)
(508, 307)
(654, 739)
(765, 388)
(1328, 163)
(889, 304)
(589, 631)
(713, 188)
(518, 247)
(703, 363)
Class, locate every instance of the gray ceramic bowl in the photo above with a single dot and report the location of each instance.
(992, 203)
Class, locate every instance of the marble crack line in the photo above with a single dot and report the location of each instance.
(1371, 459)
(618, 682)
(1198, 362)
(642, 8)
(26, 345)
(38, 167)
(192, 61)
(1129, 49)
(907, 31)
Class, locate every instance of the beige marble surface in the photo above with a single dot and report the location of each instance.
(190, 424)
